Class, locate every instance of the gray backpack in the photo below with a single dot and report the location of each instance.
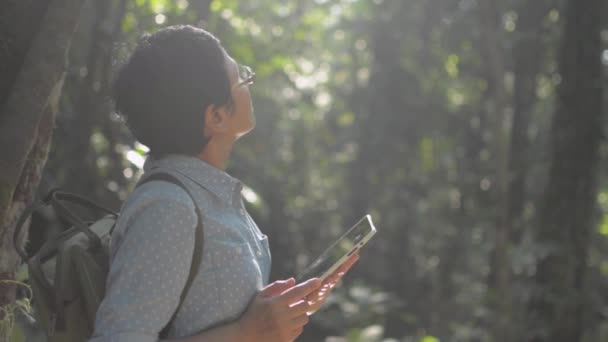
(68, 273)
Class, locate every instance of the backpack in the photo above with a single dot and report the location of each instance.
(68, 272)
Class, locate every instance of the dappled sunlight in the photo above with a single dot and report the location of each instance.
(472, 131)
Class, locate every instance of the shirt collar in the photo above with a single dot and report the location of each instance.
(220, 183)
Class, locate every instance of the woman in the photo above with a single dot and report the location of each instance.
(185, 98)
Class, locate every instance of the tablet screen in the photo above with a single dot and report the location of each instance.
(358, 234)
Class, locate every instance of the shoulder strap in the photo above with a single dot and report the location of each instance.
(197, 255)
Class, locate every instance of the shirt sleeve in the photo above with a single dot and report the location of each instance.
(151, 256)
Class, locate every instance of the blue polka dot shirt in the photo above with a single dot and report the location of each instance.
(151, 252)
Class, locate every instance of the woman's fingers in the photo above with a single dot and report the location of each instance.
(319, 295)
(295, 333)
(317, 298)
(279, 311)
(339, 273)
(300, 321)
(297, 309)
(296, 293)
(277, 287)
(348, 264)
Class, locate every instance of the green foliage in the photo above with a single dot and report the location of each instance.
(429, 339)
(10, 311)
(383, 107)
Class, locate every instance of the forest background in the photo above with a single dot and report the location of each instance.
(472, 131)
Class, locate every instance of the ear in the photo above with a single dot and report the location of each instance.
(215, 120)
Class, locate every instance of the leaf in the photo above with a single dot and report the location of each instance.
(17, 334)
(158, 6)
(346, 119)
(451, 65)
(603, 229)
(427, 154)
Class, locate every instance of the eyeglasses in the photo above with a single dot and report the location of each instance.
(246, 76)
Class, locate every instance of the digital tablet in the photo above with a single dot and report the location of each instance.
(357, 236)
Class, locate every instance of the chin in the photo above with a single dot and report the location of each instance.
(252, 121)
(251, 125)
(239, 135)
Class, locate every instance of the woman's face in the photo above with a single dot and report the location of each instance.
(242, 120)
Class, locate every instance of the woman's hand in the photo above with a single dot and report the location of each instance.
(317, 298)
(278, 312)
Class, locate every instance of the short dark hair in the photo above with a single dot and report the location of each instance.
(169, 81)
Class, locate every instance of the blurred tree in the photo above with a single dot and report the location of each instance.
(33, 61)
(513, 109)
(499, 282)
(432, 116)
(567, 214)
(90, 111)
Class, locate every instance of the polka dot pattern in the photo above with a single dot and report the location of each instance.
(151, 253)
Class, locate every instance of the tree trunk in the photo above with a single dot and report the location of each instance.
(202, 9)
(566, 213)
(27, 116)
(91, 111)
(499, 280)
(528, 53)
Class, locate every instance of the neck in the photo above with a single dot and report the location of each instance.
(216, 154)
